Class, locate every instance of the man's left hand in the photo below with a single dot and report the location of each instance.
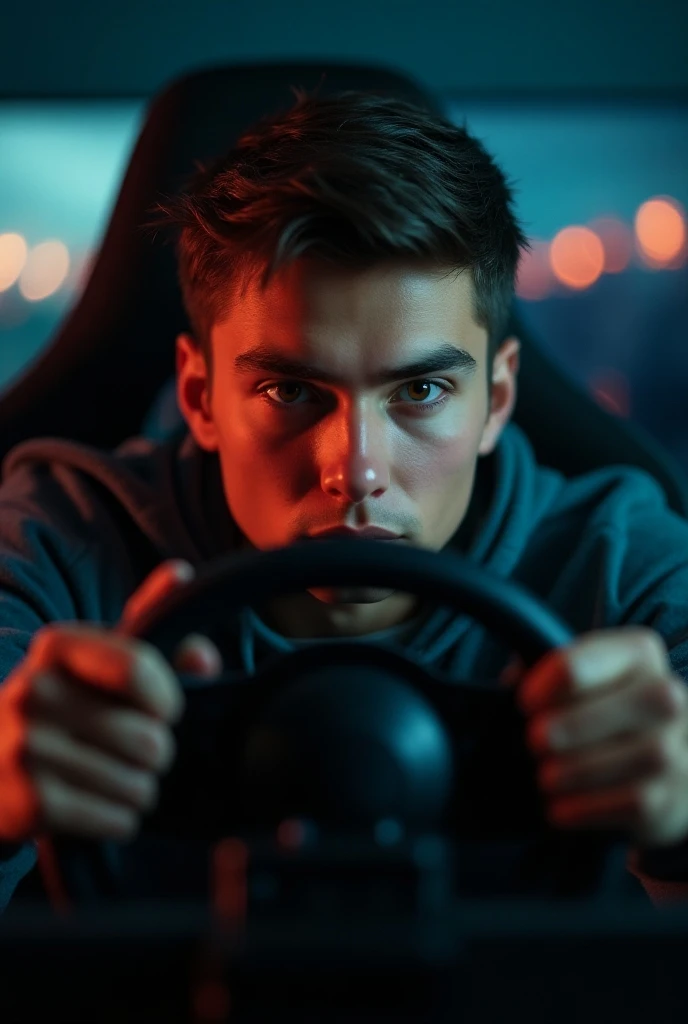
(607, 718)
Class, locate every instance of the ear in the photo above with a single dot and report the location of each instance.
(193, 392)
(503, 391)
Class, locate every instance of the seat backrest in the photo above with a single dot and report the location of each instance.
(82, 386)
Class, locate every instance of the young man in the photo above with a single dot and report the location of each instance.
(347, 271)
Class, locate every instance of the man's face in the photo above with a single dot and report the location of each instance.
(320, 418)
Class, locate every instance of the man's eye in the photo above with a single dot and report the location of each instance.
(289, 392)
(423, 393)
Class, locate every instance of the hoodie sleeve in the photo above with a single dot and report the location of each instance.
(47, 574)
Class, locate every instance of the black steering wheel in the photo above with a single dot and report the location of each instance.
(346, 733)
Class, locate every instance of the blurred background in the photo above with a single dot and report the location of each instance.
(584, 107)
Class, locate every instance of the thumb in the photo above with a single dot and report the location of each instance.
(165, 578)
(196, 654)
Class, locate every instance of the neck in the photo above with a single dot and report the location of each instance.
(305, 616)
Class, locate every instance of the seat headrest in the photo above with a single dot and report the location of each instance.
(114, 351)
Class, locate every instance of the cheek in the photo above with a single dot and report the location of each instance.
(262, 476)
(438, 462)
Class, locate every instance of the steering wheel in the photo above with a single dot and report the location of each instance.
(348, 733)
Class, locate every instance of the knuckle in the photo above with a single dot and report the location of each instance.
(651, 646)
(136, 787)
(149, 666)
(158, 746)
(148, 791)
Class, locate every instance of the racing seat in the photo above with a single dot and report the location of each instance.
(82, 386)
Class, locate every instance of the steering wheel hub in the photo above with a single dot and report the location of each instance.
(347, 745)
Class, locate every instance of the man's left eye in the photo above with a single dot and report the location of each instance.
(422, 389)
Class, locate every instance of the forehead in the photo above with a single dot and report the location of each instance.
(352, 322)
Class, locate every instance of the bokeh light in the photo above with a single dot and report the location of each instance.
(660, 230)
(46, 269)
(577, 257)
(13, 252)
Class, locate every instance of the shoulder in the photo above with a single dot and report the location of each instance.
(603, 548)
(631, 551)
(629, 508)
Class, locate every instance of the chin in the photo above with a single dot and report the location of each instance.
(351, 595)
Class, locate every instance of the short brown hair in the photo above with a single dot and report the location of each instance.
(353, 178)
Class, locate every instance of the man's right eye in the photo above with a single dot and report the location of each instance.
(288, 392)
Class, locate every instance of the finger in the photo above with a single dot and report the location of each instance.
(64, 808)
(637, 706)
(92, 718)
(610, 808)
(129, 668)
(602, 658)
(198, 655)
(626, 760)
(163, 580)
(48, 749)
(650, 812)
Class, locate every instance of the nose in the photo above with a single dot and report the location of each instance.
(355, 463)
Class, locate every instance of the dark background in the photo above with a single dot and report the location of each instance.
(584, 105)
(132, 47)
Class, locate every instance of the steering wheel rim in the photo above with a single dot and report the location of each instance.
(248, 578)
(445, 577)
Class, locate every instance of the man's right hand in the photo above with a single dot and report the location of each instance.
(85, 722)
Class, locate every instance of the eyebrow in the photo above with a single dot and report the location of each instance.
(439, 360)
